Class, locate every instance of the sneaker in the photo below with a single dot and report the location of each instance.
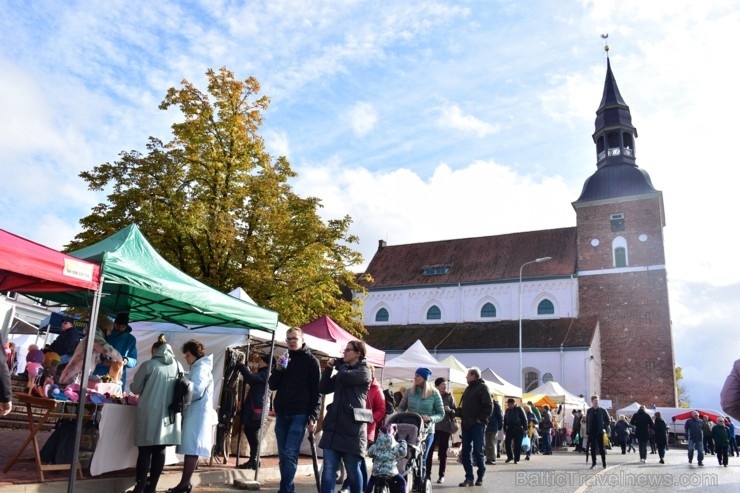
(490, 462)
(516, 462)
(662, 461)
(467, 482)
(691, 461)
(479, 481)
(592, 466)
(508, 460)
(526, 458)
(441, 480)
(701, 464)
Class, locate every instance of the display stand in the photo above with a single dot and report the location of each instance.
(39, 410)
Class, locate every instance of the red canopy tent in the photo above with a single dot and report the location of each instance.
(28, 267)
(31, 268)
(327, 329)
(680, 417)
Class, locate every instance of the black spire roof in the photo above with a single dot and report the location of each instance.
(617, 174)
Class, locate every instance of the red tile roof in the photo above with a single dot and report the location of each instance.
(536, 334)
(487, 258)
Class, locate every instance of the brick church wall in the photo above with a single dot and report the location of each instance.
(633, 309)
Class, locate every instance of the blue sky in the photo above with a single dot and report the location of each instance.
(423, 120)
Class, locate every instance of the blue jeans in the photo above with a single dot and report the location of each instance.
(473, 439)
(699, 446)
(289, 432)
(546, 441)
(428, 441)
(331, 466)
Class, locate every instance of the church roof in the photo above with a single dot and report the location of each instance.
(504, 334)
(471, 260)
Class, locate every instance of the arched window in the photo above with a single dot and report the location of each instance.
(381, 315)
(545, 307)
(620, 254)
(488, 311)
(434, 313)
(531, 380)
(620, 257)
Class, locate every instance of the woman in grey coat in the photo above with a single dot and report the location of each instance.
(197, 435)
(344, 436)
(153, 430)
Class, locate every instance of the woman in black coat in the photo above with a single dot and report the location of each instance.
(253, 407)
(661, 436)
(344, 435)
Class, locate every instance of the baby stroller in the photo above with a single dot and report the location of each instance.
(410, 427)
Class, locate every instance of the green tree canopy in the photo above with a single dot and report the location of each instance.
(215, 204)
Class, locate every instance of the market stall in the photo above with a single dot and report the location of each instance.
(136, 279)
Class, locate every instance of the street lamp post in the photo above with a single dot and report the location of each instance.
(521, 269)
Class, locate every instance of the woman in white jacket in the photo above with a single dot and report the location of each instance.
(197, 436)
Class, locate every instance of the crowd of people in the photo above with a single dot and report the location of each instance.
(353, 426)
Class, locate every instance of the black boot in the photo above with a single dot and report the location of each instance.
(138, 487)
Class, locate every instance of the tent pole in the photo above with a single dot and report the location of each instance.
(86, 362)
(265, 403)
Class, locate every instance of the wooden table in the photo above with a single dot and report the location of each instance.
(39, 410)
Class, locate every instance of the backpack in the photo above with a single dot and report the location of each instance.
(183, 395)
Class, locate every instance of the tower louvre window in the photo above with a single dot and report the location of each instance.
(617, 222)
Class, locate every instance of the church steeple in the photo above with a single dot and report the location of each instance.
(614, 135)
(617, 174)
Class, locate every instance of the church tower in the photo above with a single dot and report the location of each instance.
(621, 263)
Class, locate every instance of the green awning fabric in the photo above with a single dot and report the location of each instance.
(136, 279)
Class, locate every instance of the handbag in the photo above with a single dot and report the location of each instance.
(526, 444)
(454, 427)
(256, 411)
(605, 438)
(362, 415)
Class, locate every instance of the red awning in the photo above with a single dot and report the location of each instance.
(680, 417)
(328, 330)
(28, 267)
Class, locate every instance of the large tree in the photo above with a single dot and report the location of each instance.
(214, 203)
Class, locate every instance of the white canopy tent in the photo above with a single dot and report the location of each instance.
(402, 368)
(216, 340)
(558, 394)
(500, 386)
(632, 409)
(554, 394)
(454, 363)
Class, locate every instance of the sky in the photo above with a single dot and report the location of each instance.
(421, 119)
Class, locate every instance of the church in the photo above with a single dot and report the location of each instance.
(585, 306)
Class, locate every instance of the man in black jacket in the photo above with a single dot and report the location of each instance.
(475, 408)
(515, 425)
(296, 385)
(597, 424)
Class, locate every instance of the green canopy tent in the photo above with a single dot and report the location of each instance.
(136, 279)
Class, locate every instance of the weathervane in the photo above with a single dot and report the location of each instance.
(606, 46)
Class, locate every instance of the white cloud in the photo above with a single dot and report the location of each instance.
(451, 116)
(362, 118)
